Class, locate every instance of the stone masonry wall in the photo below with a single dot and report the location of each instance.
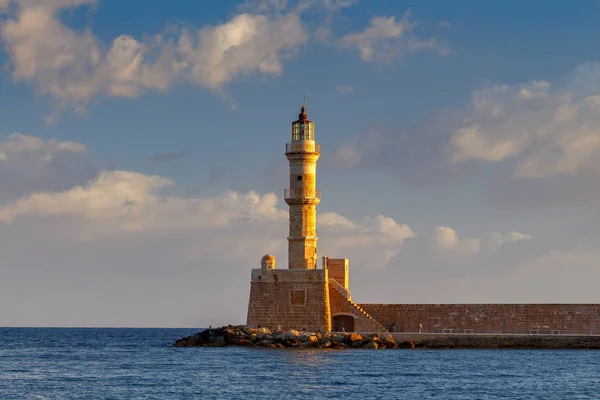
(289, 299)
(341, 305)
(301, 253)
(303, 219)
(489, 318)
(338, 270)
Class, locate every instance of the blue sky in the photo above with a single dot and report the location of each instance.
(459, 151)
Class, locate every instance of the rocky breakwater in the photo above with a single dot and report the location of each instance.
(263, 337)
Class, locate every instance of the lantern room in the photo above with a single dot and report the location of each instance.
(303, 129)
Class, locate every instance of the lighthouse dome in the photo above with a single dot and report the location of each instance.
(267, 262)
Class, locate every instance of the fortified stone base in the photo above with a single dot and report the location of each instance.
(289, 299)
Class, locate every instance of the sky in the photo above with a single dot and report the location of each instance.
(142, 160)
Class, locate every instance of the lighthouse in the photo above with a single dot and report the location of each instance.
(302, 196)
(303, 296)
(298, 296)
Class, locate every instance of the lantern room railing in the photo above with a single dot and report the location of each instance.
(302, 148)
(300, 194)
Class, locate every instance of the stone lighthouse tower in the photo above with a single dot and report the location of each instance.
(302, 195)
(296, 297)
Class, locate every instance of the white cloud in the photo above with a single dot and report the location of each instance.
(387, 39)
(548, 132)
(130, 201)
(497, 239)
(29, 163)
(116, 251)
(344, 89)
(247, 43)
(443, 24)
(389, 228)
(447, 241)
(373, 242)
(73, 66)
(348, 155)
(122, 201)
(17, 145)
(333, 220)
(446, 248)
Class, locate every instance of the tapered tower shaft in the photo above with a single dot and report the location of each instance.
(302, 195)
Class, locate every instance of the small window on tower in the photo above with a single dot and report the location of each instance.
(298, 297)
(300, 177)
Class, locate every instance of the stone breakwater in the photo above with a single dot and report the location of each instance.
(499, 341)
(262, 337)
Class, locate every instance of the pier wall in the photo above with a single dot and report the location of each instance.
(581, 319)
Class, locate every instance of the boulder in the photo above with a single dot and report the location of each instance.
(264, 336)
(389, 342)
(371, 344)
(337, 337)
(216, 341)
(198, 339)
(306, 344)
(378, 341)
(263, 331)
(291, 334)
(304, 336)
(294, 342)
(234, 336)
(183, 342)
(307, 338)
(279, 338)
(249, 331)
(265, 343)
(240, 341)
(351, 338)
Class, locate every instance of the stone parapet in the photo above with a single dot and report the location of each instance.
(289, 275)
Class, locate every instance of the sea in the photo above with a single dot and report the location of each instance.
(115, 363)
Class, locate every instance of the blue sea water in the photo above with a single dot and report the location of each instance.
(82, 363)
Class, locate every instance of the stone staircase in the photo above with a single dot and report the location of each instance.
(356, 308)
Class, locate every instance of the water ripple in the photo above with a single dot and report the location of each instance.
(48, 364)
